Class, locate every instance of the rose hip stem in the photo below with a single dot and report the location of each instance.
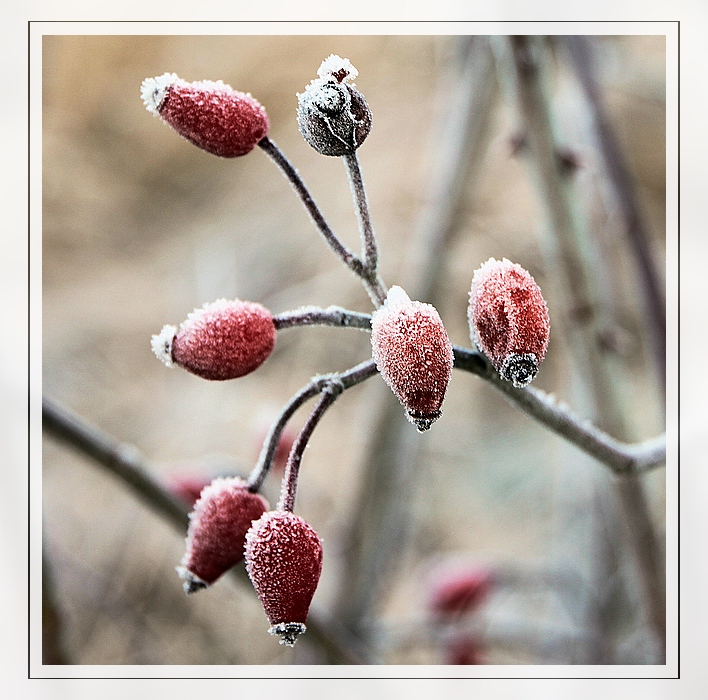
(317, 385)
(369, 244)
(353, 262)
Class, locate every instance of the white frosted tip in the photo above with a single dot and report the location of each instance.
(154, 91)
(397, 297)
(334, 67)
(162, 344)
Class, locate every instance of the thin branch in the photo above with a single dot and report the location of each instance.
(366, 229)
(126, 463)
(618, 172)
(121, 459)
(341, 251)
(621, 457)
(347, 379)
(578, 263)
(329, 395)
(316, 316)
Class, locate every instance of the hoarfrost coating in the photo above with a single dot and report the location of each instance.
(414, 355)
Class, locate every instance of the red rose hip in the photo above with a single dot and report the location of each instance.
(217, 531)
(284, 562)
(222, 340)
(509, 320)
(414, 355)
(211, 115)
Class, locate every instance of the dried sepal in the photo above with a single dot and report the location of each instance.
(413, 353)
(222, 340)
(217, 531)
(332, 114)
(209, 114)
(509, 320)
(284, 562)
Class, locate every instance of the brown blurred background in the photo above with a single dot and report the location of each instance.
(140, 227)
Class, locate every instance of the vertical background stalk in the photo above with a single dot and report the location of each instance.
(575, 261)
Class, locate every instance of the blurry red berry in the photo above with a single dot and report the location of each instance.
(187, 488)
(284, 561)
(212, 115)
(459, 592)
(509, 320)
(414, 355)
(217, 531)
(464, 651)
(222, 340)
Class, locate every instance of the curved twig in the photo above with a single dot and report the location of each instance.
(621, 457)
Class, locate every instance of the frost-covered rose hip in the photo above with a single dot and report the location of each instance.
(222, 340)
(217, 531)
(284, 562)
(332, 114)
(509, 320)
(212, 115)
(414, 355)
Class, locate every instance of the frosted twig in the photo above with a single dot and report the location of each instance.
(578, 263)
(366, 229)
(330, 393)
(316, 316)
(317, 385)
(621, 457)
(121, 459)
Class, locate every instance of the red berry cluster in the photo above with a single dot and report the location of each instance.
(410, 348)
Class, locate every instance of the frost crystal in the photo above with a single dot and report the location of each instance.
(162, 344)
(338, 68)
(154, 91)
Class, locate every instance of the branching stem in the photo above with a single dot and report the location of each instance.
(365, 270)
(329, 395)
(341, 251)
(126, 463)
(316, 316)
(317, 385)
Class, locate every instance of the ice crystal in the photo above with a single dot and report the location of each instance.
(162, 344)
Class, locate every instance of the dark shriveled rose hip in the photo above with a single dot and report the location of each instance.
(332, 114)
